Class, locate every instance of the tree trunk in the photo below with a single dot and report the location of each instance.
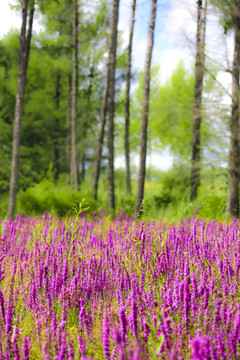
(103, 114)
(197, 112)
(145, 108)
(68, 124)
(127, 102)
(25, 41)
(112, 66)
(74, 164)
(233, 199)
(56, 164)
(97, 163)
(87, 120)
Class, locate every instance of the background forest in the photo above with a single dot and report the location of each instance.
(71, 70)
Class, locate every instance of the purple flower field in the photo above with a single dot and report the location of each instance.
(95, 289)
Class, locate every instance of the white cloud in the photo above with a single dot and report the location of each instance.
(9, 18)
(124, 21)
(169, 48)
(170, 59)
(162, 161)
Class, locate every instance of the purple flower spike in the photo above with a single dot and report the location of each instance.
(201, 348)
(82, 345)
(15, 345)
(123, 323)
(64, 320)
(9, 316)
(63, 347)
(105, 337)
(134, 322)
(2, 305)
(114, 355)
(173, 354)
(137, 354)
(26, 342)
(117, 336)
(70, 353)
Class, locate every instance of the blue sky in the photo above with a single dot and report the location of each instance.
(164, 41)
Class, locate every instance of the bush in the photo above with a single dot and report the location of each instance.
(45, 196)
(175, 185)
(4, 199)
(212, 201)
(164, 198)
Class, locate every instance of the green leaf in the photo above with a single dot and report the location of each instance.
(159, 343)
(151, 327)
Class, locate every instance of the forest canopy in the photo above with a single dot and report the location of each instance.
(79, 53)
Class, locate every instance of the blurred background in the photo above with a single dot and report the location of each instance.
(45, 180)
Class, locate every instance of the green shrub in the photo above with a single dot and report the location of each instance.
(45, 196)
(4, 198)
(165, 197)
(212, 201)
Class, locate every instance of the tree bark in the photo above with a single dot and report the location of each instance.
(104, 106)
(197, 110)
(127, 102)
(74, 162)
(233, 199)
(112, 66)
(25, 41)
(56, 164)
(87, 120)
(145, 109)
(97, 163)
(68, 124)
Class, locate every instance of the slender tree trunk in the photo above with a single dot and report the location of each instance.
(103, 114)
(74, 96)
(83, 159)
(233, 199)
(197, 111)
(99, 145)
(112, 66)
(127, 102)
(68, 124)
(86, 120)
(145, 108)
(25, 41)
(56, 164)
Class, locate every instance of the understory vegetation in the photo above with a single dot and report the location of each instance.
(166, 196)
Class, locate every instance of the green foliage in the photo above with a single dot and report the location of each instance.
(8, 85)
(4, 205)
(210, 204)
(44, 120)
(47, 197)
(226, 8)
(80, 207)
(170, 113)
(44, 117)
(172, 108)
(165, 198)
(212, 201)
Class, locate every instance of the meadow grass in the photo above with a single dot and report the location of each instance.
(78, 288)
